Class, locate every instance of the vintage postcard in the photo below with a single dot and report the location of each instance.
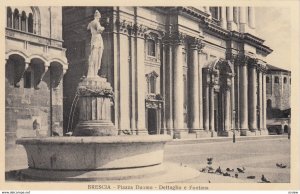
(197, 95)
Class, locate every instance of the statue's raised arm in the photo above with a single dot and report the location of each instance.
(96, 45)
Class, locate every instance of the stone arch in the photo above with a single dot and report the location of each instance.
(16, 52)
(14, 68)
(56, 73)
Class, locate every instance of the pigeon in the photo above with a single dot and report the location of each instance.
(280, 165)
(264, 179)
(70, 133)
(219, 171)
(240, 170)
(226, 174)
(250, 177)
(229, 170)
(203, 170)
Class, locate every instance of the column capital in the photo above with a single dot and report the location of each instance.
(178, 37)
(252, 62)
(123, 26)
(242, 59)
(196, 43)
(140, 30)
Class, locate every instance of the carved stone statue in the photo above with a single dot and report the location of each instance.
(96, 45)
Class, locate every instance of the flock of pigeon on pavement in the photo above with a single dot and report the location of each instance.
(229, 171)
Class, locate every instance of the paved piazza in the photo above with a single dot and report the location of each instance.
(257, 156)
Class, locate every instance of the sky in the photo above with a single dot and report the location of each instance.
(274, 26)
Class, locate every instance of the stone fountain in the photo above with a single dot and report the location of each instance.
(95, 151)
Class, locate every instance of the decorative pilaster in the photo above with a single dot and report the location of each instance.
(140, 76)
(124, 71)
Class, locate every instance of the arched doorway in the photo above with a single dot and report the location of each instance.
(219, 74)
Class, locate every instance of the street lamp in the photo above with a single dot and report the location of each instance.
(233, 137)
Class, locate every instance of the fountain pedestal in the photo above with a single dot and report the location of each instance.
(95, 100)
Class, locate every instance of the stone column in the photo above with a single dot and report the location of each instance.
(178, 95)
(163, 87)
(200, 59)
(264, 102)
(211, 105)
(243, 97)
(260, 97)
(206, 101)
(223, 18)
(252, 17)
(194, 98)
(242, 19)
(252, 95)
(133, 66)
(169, 86)
(140, 76)
(229, 17)
(227, 114)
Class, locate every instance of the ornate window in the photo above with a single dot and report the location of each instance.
(23, 21)
(16, 19)
(284, 80)
(27, 19)
(267, 79)
(9, 17)
(151, 82)
(276, 80)
(30, 23)
(151, 47)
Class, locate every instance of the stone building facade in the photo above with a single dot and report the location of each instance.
(35, 63)
(278, 91)
(185, 71)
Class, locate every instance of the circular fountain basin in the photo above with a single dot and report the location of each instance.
(96, 156)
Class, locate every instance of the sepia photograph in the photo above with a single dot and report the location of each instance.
(150, 97)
